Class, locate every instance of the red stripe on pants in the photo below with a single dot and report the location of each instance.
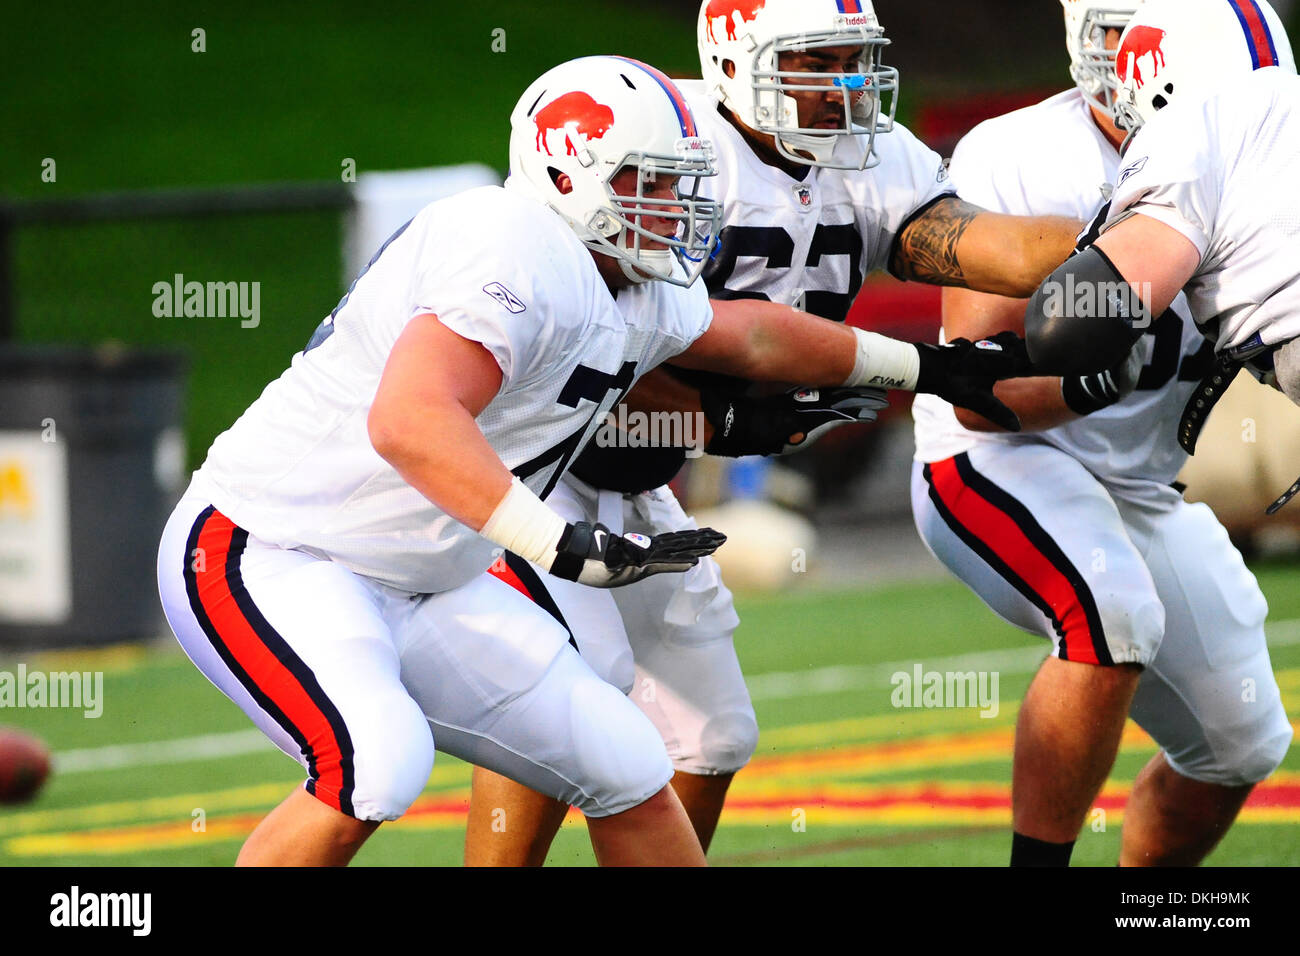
(503, 571)
(1008, 541)
(266, 670)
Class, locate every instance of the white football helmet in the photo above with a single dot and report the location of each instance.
(1185, 49)
(589, 119)
(752, 35)
(1092, 66)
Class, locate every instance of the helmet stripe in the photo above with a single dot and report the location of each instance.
(850, 6)
(684, 115)
(1258, 37)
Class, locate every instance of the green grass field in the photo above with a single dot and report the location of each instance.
(119, 99)
(841, 777)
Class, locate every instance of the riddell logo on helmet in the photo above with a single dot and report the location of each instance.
(1140, 42)
(734, 13)
(576, 115)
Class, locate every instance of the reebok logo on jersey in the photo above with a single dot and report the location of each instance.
(505, 297)
(1130, 169)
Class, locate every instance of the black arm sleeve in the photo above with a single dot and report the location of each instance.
(1084, 318)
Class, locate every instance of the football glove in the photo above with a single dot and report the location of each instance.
(593, 555)
(778, 424)
(1085, 394)
(963, 372)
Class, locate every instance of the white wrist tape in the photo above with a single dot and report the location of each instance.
(884, 362)
(526, 525)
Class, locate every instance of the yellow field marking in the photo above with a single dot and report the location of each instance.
(114, 659)
(99, 814)
(901, 723)
(1288, 679)
(132, 839)
(264, 796)
(911, 803)
(764, 794)
(907, 722)
(936, 750)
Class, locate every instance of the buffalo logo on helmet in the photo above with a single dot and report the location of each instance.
(575, 114)
(1140, 42)
(733, 12)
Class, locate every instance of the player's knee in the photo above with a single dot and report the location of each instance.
(1258, 761)
(621, 757)
(728, 741)
(392, 761)
(1247, 755)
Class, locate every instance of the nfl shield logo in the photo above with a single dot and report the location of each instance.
(805, 196)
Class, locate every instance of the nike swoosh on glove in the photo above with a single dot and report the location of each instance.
(769, 425)
(593, 555)
(964, 372)
(1085, 394)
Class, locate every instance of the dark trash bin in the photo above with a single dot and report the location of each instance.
(91, 463)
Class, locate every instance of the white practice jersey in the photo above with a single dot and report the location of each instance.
(297, 470)
(808, 242)
(1050, 159)
(1222, 172)
(801, 242)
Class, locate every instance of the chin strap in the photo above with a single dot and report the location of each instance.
(820, 147)
(653, 260)
(631, 272)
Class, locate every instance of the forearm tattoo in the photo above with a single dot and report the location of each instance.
(927, 249)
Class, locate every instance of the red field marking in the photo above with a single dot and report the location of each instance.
(924, 803)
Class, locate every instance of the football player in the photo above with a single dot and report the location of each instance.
(818, 187)
(325, 567)
(1195, 208)
(1075, 530)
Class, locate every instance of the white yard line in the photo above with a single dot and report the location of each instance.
(772, 686)
(1012, 660)
(178, 750)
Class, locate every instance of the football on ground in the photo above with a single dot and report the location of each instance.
(24, 765)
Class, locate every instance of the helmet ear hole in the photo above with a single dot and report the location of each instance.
(560, 180)
(729, 68)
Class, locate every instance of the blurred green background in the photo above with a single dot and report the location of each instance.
(118, 100)
(287, 92)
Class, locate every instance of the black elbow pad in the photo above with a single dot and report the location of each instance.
(1084, 317)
